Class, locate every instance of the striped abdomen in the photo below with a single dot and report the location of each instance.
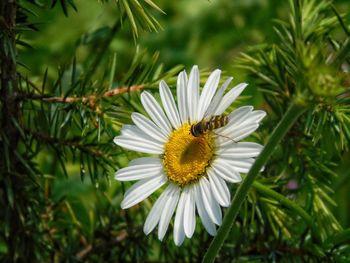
(203, 126)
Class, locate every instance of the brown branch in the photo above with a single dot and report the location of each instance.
(90, 100)
(121, 90)
(86, 250)
(83, 253)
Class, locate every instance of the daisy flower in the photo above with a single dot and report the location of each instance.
(193, 169)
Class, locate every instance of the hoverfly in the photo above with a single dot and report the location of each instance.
(219, 119)
(215, 122)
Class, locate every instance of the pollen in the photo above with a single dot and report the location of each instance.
(186, 157)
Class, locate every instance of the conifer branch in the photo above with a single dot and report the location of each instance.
(91, 99)
(8, 76)
(89, 148)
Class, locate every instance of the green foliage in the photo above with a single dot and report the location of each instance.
(64, 5)
(308, 61)
(305, 62)
(138, 15)
(64, 99)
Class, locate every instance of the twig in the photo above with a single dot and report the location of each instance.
(83, 253)
(86, 250)
(85, 99)
(88, 100)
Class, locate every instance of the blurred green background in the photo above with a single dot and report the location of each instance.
(208, 33)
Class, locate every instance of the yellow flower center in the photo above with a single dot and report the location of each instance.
(186, 157)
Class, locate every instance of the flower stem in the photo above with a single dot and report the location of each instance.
(295, 110)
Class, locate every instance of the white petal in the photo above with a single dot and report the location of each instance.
(219, 187)
(240, 150)
(141, 190)
(179, 232)
(138, 144)
(235, 117)
(255, 116)
(229, 98)
(225, 171)
(238, 121)
(169, 104)
(234, 134)
(193, 94)
(155, 112)
(156, 212)
(189, 212)
(148, 127)
(240, 114)
(182, 96)
(208, 224)
(137, 172)
(129, 130)
(212, 207)
(145, 160)
(169, 208)
(134, 132)
(242, 122)
(208, 92)
(239, 165)
(217, 98)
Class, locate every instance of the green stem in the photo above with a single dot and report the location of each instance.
(289, 118)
